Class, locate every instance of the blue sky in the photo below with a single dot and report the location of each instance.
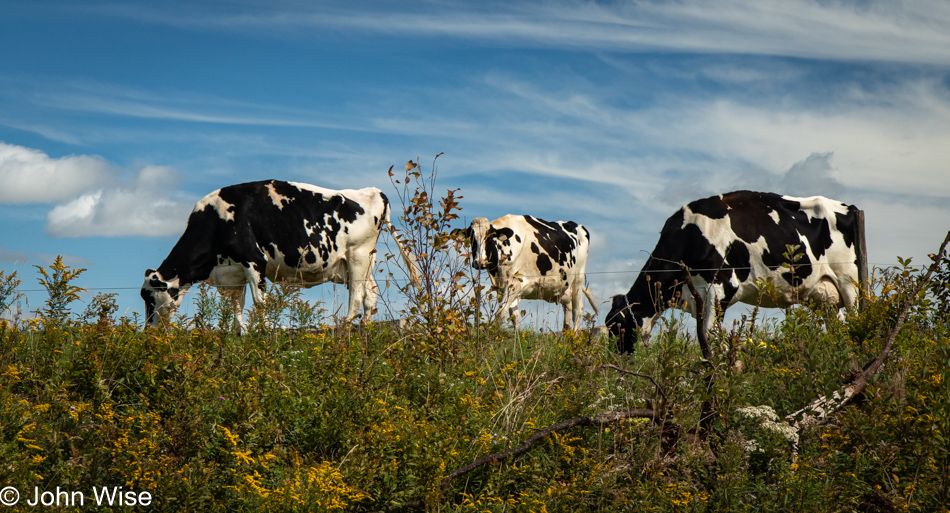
(115, 117)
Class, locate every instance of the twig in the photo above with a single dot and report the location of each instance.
(706, 410)
(637, 374)
(406, 506)
(700, 314)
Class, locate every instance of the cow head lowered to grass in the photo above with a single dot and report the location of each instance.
(529, 258)
(731, 243)
(282, 231)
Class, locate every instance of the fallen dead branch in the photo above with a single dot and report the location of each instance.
(597, 420)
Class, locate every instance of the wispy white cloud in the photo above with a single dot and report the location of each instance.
(580, 129)
(21, 261)
(878, 30)
(144, 207)
(31, 176)
(903, 129)
(111, 99)
(51, 133)
(872, 131)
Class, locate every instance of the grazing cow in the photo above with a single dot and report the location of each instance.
(528, 258)
(284, 231)
(732, 242)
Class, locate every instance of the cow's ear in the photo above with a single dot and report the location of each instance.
(469, 233)
(500, 236)
(148, 272)
(457, 233)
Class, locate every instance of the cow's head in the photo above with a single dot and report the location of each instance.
(621, 324)
(627, 322)
(490, 246)
(479, 233)
(162, 298)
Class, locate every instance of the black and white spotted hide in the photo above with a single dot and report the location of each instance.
(529, 258)
(282, 231)
(731, 242)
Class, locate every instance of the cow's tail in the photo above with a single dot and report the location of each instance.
(590, 300)
(406, 254)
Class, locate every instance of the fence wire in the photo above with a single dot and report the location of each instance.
(404, 281)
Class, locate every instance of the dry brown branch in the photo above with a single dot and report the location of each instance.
(416, 505)
(637, 374)
(598, 420)
(825, 405)
(700, 308)
(706, 410)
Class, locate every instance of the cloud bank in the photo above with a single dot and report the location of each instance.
(93, 200)
(141, 208)
(31, 176)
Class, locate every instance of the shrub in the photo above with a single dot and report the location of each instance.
(448, 301)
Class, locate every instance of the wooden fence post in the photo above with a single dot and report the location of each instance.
(861, 248)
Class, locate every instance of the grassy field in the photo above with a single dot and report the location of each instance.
(373, 418)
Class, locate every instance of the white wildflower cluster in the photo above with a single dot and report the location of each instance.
(770, 421)
(496, 439)
(758, 412)
(782, 428)
(608, 398)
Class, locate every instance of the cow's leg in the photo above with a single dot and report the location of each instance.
(571, 313)
(253, 272)
(370, 288)
(354, 285)
(711, 294)
(238, 295)
(358, 282)
(714, 294)
(850, 294)
(577, 306)
(509, 302)
(370, 293)
(231, 282)
(233, 293)
(568, 314)
(515, 313)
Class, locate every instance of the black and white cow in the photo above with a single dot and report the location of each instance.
(529, 258)
(284, 231)
(732, 241)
